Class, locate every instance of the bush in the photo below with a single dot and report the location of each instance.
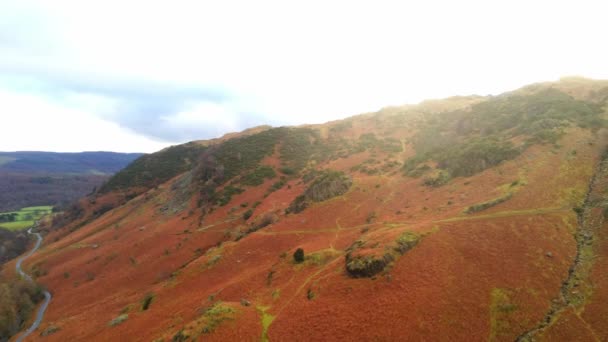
(485, 205)
(118, 320)
(298, 255)
(147, 301)
(258, 176)
(247, 214)
(327, 184)
(440, 179)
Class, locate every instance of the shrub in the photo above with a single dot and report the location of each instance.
(298, 255)
(258, 176)
(247, 214)
(485, 205)
(147, 301)
(277, 185)
(327, 184)
(118, 320)
(440, 179)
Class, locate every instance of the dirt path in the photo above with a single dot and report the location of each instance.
(47, 295)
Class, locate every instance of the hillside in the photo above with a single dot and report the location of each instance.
(465, 219)
(48, 178)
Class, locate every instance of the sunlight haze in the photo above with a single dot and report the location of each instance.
(139, 76)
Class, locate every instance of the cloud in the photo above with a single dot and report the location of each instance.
(174, 72)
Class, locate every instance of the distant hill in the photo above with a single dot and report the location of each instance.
(72, 163)
(48, 178)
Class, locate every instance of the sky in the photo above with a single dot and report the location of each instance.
(137, 76)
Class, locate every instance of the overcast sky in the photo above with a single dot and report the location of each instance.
(137, 76)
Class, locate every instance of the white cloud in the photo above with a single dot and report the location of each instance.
(303, 62)
(198, 115)
(34, 124)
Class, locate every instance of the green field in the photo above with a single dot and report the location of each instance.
(24, 218)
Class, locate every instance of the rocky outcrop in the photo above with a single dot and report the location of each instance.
(328, 184)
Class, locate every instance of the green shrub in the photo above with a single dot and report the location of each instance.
(327, 184)
(298, 255)
(156, 168)
(147, 301)
(247, 214)
(257, 176)
(277, 185)
(225, 196)
(467, 141)
(287, 170)
(438, 180)
(485, 205)
(118, 320)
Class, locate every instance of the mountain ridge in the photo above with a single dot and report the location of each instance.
(450, 219)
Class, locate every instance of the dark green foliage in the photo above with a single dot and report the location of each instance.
(485, 205)
(12, 244)
(247, 214)
(257, 176)
(327, 184)
(287, 170)
(277, 185)
(298, 255)
(370, 141)
(474, 156)
(438, 180)
(8, 217)
(367, 266)
(241, 154)
(18, 300)
(156, 168)
(418, 171)
(147, 301)
(468, 141)
(298, 147)
(180, 336)
(225, 196)
(407, 241)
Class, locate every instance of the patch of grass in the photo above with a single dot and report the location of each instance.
(321, 257)
(118, 320)
(500, 309)
(488, 204)
(276, 294)
(407, 241)
(215, 315)
(23, 218)
(267, 320)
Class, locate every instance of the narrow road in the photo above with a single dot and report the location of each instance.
(47, 295)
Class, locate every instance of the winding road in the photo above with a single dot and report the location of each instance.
(47, 295)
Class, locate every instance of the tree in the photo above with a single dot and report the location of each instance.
(298, 256)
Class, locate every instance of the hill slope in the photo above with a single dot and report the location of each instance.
(470, 218)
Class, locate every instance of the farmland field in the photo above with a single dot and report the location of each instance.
(16, 220)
